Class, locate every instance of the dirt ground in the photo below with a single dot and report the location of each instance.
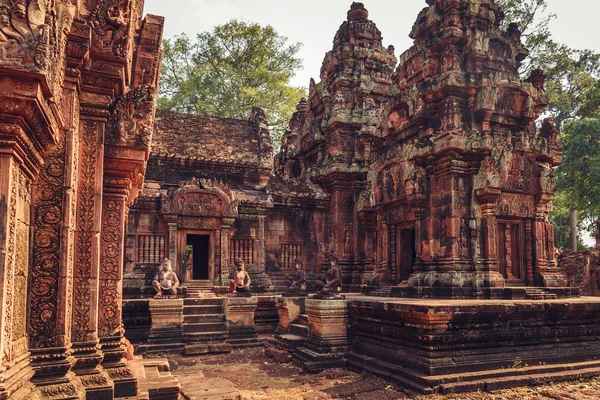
(257, 377)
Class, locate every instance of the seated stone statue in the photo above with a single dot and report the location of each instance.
(165, 281)
(239, 280)
(333, 277)
(298, 281)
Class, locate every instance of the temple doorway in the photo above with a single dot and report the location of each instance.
(197, 256)
(407, 254)
(510, 251)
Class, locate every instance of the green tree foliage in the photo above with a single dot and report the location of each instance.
(572, 74)
(228, 71)
(579, 176)
(573, 92)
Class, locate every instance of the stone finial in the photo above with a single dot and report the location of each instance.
(537, 79)
(357, 11)
(302, 105)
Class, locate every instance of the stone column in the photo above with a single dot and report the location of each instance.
(547, 272)
(86, 347)
(51, 283)
(327, 339)
(488, 269)
(15, 203)
(225, 235)
(261, 243)
(110, 304)
(173, 248)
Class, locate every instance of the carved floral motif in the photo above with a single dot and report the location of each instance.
(47, 240)
(82, 329)
(109, 314)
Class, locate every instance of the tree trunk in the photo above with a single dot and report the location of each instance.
(573, 229)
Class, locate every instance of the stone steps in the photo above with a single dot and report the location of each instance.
(202, 309)
(200, 318)
(299, 330)
(211, 301)
(303, 319)
(291, 341)
(204, 337)
(473, 381)
(155, 379)
(203, 327)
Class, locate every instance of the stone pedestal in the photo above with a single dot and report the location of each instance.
(239, 314)
(166, 329)
(327, 340)
(289, 309)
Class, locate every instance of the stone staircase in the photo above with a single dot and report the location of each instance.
(280, 279)
(281, 346)
(204, 326)
(196, 289)
(539, 294)
(155, 379)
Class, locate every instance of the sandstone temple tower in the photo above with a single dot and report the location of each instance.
(79, 84)
(435, 172)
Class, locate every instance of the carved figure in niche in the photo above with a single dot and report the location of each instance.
(239, 280)
(547, 182)
(347, 247)
(333, 277)
(298, 279)
(339, 101)
(165, 281)
(111, 24)
(450, 60)
(443, 232)
(369, 103)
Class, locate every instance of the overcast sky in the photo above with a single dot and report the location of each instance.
(314, 22)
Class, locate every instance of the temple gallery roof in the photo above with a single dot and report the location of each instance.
(205, 138)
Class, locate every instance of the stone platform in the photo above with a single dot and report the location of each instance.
(449, 346)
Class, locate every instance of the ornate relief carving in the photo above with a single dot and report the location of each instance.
(82, 329)
(515, 205)
(10, 264)
(199, 223)
(204, 197)
(109, 315)
(47, 239)
(110, 25)
(131, 121)
(21, 263)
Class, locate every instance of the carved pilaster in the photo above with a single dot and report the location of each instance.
(225, 235)
(15, 200)
(261, 243)
(50, 296)
(173, 243)
(85, 311)
(110, 305)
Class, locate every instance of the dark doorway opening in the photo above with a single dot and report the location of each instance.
(408, 253)
(510, 251)
(198, 254)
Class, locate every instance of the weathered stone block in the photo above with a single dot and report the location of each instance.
(289, 309)
(239, 315)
